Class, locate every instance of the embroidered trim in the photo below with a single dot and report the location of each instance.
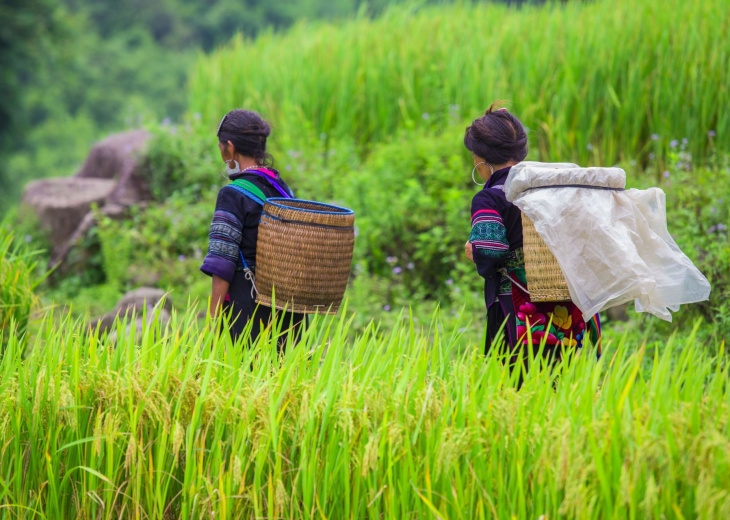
(488, 234)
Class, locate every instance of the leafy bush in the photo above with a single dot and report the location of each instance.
(411, 196)
(698, 214)
(161, 245)
(178, 160)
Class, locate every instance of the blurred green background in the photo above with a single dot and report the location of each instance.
(75, 70)
(368, 102)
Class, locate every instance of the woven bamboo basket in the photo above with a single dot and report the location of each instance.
(303, 255)
(545, 279)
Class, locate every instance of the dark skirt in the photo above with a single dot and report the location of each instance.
(243, 308)
(500, 316)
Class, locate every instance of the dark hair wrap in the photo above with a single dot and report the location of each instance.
(497, 137)
(248, 132)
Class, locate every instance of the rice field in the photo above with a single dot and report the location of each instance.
(17, 283)
(596, 82)
(175, 422)
(410, 421)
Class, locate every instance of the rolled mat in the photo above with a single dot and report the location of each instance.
(304, 255)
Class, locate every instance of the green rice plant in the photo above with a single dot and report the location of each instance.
(17, 284)
(177, 422)
(594, 81)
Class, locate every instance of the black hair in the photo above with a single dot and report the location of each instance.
(248, 131)
(497, 137)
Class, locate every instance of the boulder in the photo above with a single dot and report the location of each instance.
(136, 302)
(62, 203)
(118, 157)
(111, 177)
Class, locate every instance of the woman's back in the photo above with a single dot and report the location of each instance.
(241, 234)
(498, 141)
(231, 258)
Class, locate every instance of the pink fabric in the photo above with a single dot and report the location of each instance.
(267, 172)
(484, 211)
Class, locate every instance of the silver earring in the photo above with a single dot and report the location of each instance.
(231, 171)
(491, 170)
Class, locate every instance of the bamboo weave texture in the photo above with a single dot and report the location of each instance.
(545, 279)
(303, 258)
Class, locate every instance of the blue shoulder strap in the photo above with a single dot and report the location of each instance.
(258, 200)
(248, 193)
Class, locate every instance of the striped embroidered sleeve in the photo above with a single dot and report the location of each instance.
(225, 239)
(488, 234)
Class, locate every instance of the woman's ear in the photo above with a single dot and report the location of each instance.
(227, 150)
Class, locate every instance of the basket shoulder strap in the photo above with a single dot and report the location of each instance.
(253, 192)
(250, 190)
(286, 193)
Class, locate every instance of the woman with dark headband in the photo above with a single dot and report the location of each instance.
(231, 258)
(498, 141)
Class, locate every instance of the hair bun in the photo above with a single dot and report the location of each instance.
(248, 132)
(497, 137)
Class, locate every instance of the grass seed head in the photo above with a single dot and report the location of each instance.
(178, 437)
(371, 454)
(130, 456)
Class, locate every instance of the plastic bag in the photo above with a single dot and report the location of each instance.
(612, 246)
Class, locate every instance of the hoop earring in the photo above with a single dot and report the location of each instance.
(231, 171)
(491, 172)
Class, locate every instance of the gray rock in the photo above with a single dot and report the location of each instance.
(119, 157)
(61, 204)
(110, 177)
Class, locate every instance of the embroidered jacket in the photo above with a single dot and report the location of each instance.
(496, 236)
(236, 224)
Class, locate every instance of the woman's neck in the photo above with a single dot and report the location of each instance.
(498, 167)
(245, 161)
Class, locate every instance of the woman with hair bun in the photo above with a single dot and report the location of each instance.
(231, 258)
(498, 141)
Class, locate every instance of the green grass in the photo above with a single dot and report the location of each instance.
(406, 419)
(401, 423)
(17, 284)
(347, 104)
(601, 75)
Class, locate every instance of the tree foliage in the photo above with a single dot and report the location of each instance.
(27, 32)
(73, 70)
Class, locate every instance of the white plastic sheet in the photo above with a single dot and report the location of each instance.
(613, 246)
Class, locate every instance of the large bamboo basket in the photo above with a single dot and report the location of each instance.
(545, 279)
(303, 255)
